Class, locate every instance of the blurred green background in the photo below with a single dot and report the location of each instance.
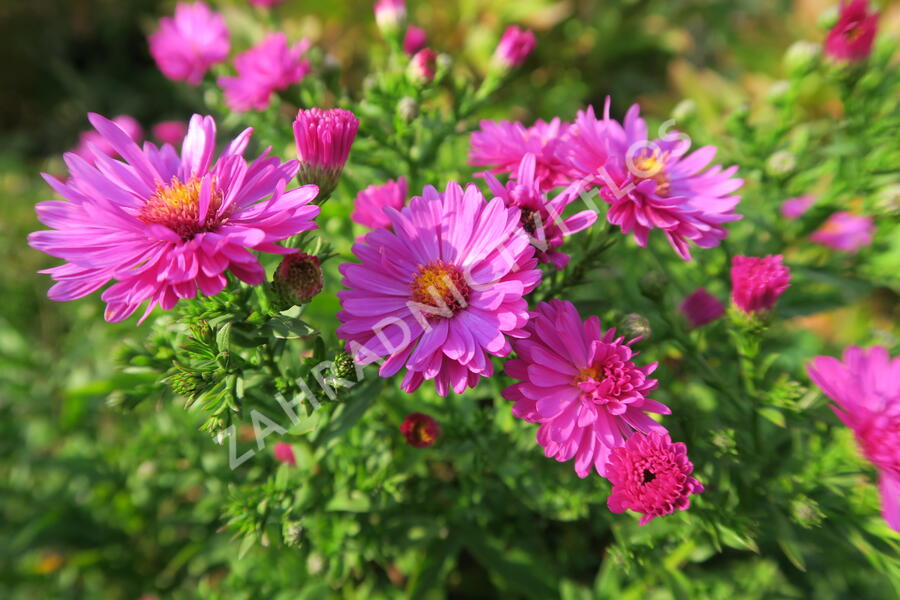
(84, 510)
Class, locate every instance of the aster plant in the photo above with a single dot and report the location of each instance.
(419, 306)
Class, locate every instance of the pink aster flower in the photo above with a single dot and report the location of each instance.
(162, 226)
(420, 430)
(701, 308)
(284, 453)
(186, 45)
(264, 69)
(757, 283)
(514, 47)
(866, 389)
(502, 146)
(414, 40)
(90, 143)
(581, 385)
(852, 36)
(324, 138)
(423, 66)
(170, 132)
(542, 218)
(793, 208)
(845, 231)
(654, 184)
(368, 209)
(440, 292)
(652, 476)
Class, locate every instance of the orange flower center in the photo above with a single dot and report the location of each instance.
(177, 206)
(652, 167)
(441, 285)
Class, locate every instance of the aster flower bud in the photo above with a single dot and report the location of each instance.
(701, 308)
(323, 138)
(420, 430)
(781, 163)
(390, 16)
(414, 40)
(636, 326)
(284, 454)
(758, 282)
(344, 366)
(408, 109)
(423, 66)
(653, 284)
(514, 47)
(292, 533)
(298, 279)
(801, 57)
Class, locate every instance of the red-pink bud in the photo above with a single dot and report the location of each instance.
(298, 278)
(414, 40)
(423, 66)
(284, 453)
(757, 283)
(514, 47)
(701, 308)
(420, 430)
(852, 36)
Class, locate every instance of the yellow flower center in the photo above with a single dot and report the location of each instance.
(652, 167)
(177, 206)
(441, 285)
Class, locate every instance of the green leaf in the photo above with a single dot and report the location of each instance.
(281, 326)
(772, 414)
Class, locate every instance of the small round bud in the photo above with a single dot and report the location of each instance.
(292, 532)
(390, 16)
(653, 284)
(828, 18)
(635, 325)
(423, 66)
(344, 366)
(298, 279)
(781, 163)
(408, 109)
(801, 57)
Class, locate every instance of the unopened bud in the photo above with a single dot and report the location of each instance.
(635, 325)
(801, 57)
(344, 366)
(423, 66)
(781, 163)
(408, 109)
(292, 532)
(390, 16)
(298, 279)
(420, 430)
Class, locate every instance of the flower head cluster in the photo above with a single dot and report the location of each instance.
(420, 430)
(368, 209)
(324, 138)
(90, 143)
(758, 282)
(440, 292)
(852, 36)
(541, 218)
(653, 184)
(514, 47)
(162, 226)
(701, 308)
(845, 231)
(186, 45)
(268, 67)
(503, 145)
(652, 476)
(866, 389)
(581, 385)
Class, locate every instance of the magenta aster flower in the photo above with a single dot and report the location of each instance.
(652, 476)
(793, 208)
(653, 184)
(186, 45)
(264, 69)
(284, 453)
(90, 142)
(581, 385)
(701, 308)
(757, 283)
(866, 389)
(541, 218)
(845, 231)
(440, 292)
(514, 47)
(852, 36)
(414, 40)
(324, 138)
(162, 225)
(503, 145)
(423, 66)
(170, 132)
(420, 430)
(368, 210)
